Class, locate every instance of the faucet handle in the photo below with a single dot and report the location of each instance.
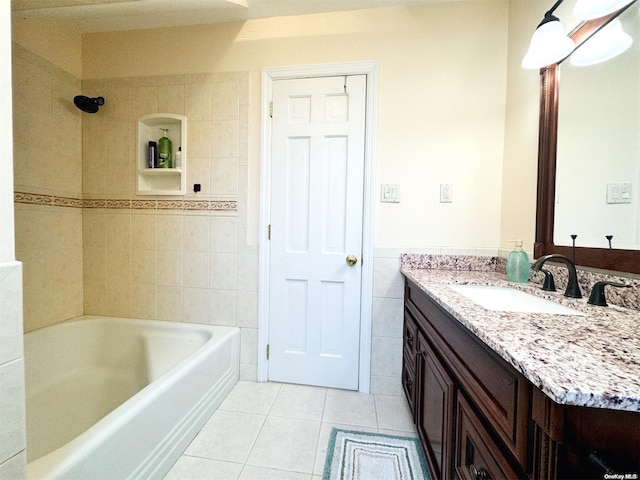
(548, 285)
(597, 293)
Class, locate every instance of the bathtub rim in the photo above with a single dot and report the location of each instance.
(70, 452)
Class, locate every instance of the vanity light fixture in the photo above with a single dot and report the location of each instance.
(608, 43)
(549, 43)
(590, 9)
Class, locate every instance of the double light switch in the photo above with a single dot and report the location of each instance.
(618, 193)
(390, 193)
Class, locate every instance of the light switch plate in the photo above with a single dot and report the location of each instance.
(390, 193)
(619, 193)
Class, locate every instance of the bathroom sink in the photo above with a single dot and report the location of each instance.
(511, 300)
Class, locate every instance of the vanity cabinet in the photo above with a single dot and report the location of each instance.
(479, 419)
(430, 392)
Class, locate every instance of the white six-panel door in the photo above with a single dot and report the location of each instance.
(317, 177)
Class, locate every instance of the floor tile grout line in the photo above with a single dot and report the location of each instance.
(253, 444)
(264, 422)
(375, 407)
(315, 456)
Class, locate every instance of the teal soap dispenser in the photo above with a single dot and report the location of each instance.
(518, 264)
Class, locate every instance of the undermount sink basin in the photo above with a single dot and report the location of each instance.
(507, 299)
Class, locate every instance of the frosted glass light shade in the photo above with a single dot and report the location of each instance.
(608, 43)
(549, 44)
(590, 9)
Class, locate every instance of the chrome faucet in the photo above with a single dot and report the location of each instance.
(573, 289)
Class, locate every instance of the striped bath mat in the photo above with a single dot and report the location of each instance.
(355, 455)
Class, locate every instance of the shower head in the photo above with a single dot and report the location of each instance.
(87, 104)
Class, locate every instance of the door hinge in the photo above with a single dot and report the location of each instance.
(267, 351)
(269, 233)
(271, 109)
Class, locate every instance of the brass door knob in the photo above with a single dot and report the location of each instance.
(351, 260)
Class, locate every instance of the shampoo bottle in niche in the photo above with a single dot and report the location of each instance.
(152, 161)
(164, 150)
(177, 163)
(518, 264)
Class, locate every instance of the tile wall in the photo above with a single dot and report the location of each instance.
(13, 438)
(47, 131)
(388, 313)
(171, 258)
(90, 245)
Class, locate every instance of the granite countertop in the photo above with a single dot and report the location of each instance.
(591, 360)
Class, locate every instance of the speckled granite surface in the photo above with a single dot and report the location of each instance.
(591, 360)
(622, 297)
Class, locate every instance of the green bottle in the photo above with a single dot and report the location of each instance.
(164, 150)
(518, 264)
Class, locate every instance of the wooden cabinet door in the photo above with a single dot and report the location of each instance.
(435, 405)
(478, 457)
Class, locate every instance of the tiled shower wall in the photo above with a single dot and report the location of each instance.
(90, 245)
(47, 132)
(171, 258)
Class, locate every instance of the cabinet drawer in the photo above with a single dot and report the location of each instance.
(409, 384)
(409, 339)
(478, 457)
(500, 392)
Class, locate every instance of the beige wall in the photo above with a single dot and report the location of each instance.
(520, 173)
(443, 78)
(54, 40)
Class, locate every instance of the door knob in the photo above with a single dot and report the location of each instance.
(351, 260)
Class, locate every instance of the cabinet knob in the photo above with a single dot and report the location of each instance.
(479, 473)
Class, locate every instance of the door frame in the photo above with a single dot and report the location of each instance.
(269, 75)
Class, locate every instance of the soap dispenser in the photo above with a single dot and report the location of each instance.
(164, 150)
(518, 265)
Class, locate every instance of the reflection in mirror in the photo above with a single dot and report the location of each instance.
(613, 259)
(598, 152)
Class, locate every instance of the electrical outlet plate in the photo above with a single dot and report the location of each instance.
(446, 193)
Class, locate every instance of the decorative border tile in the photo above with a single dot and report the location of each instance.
(32, 198)
(94, 203)
(144, 204)
(67, 202)
(225, 205)
(125, 204)
(119, 204)
(196, 205)
(169, 204)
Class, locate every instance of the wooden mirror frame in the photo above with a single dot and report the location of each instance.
(603, 258)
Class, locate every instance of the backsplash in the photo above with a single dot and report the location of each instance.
(622, 297)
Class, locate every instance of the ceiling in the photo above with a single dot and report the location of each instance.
(110, 15)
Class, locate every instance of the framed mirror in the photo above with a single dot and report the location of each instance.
(555, 194)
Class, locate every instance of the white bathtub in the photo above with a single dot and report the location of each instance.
(112, 398)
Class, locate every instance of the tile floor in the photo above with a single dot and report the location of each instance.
(280, 431)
